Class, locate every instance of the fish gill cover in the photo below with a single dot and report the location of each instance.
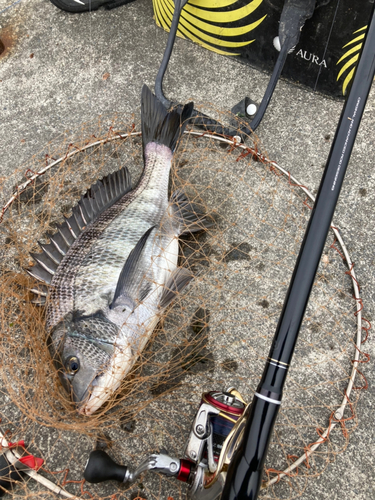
(215, 334)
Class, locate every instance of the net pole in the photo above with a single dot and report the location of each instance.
(245, 471)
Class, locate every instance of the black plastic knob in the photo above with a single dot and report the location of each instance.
(100, 467)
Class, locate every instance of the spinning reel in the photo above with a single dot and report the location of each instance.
(215, 435)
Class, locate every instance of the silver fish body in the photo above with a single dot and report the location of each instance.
(112, 268)
(109, 240)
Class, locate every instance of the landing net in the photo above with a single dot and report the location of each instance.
(216, 334)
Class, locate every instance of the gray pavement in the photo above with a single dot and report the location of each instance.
(51, 80)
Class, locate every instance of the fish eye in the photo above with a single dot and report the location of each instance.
(72, 365)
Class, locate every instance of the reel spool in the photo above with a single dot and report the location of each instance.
(231, 408)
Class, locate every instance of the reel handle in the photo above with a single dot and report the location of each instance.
(100, 467)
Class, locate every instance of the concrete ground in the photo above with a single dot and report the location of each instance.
(51, 80)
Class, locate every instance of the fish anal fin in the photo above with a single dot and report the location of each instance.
(39, 300)
(40, 294)
(177, 281)
(40, 289)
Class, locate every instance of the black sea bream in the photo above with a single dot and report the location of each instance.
(111, 269)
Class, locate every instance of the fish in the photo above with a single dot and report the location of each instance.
(111, 269)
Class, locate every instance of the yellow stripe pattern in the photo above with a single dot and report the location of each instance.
(201, 25)
(351, 63)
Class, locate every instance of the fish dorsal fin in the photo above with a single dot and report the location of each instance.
(159, 125)
(102, 195)
(177, 281)
(131, 287)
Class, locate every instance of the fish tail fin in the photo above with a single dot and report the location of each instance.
(159, 125)
(189, 217)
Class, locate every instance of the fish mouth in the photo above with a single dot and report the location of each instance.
(79, 401)
(104, 385)
(94, 397)
(80, 394)
(88, 401)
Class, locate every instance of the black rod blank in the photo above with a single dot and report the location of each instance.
(246, 468)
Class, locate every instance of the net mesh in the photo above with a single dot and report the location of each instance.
(216, 334)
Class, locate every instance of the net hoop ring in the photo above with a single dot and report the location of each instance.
(339, 413)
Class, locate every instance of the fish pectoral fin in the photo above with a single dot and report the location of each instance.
(119, 310)
(131, 286)
(177, 281)
(187, 217)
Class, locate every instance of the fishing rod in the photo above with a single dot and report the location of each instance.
(245, 470)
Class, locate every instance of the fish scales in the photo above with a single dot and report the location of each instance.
(98, 275)
(88, 274)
